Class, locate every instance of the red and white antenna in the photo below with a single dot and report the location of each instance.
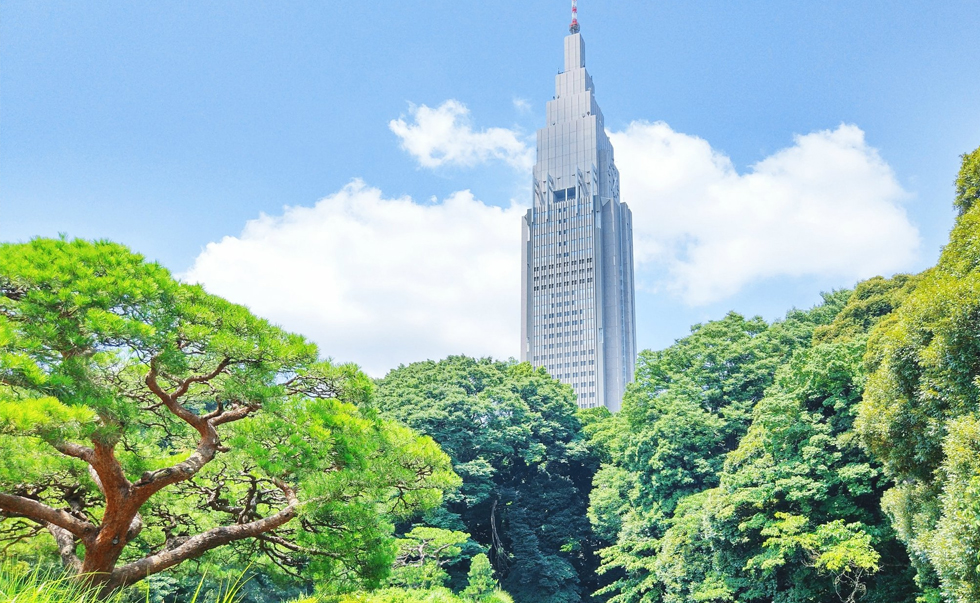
(573, 28)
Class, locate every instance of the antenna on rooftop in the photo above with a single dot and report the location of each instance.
(573, 28)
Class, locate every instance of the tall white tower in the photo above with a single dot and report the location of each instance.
(577, 311)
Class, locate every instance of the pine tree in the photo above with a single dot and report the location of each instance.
(481, 582)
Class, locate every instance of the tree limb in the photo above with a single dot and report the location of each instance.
(67, 547)
(232, 415)
(77, 451)
(112, 481)
(42, 513)
(153, 481)
(186, 383)
(198, 545)
(170, 400)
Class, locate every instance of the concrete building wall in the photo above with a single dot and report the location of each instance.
(577, 311)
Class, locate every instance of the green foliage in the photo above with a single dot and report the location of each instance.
(515, 438)
(741, 479)
(689, 406)
(111, 369)
(400, 595)
(842, 550)
(830, 456)
(480, 584)
(422, 553)
(871, 301)
(21, 584)
(920, 410)
(968, 182)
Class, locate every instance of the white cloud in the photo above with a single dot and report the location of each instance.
(444, 136)
(379, 281)
(382, 281)
(827, 206)
(522, 105)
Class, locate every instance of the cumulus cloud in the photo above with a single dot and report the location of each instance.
(379, 281)
(382, 281)
(444, 136)
(826, 206)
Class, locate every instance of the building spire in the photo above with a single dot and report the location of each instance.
(573, 28)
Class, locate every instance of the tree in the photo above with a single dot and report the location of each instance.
(921, 410)
(422, 553)
(149, 422)
(843, 550)
(968, 182)
(480, 584)
(515, 439)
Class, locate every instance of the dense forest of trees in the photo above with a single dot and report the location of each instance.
(833, 455)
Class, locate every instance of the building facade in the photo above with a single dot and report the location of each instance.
(577, 310)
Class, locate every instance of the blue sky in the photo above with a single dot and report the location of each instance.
(170, 125)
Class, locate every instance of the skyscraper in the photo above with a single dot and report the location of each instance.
(577, 314)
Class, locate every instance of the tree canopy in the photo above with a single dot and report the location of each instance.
(147, 422)
(515, 440)
(921, 409)
(737, 475)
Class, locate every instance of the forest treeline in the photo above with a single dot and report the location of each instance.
(153, 434)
